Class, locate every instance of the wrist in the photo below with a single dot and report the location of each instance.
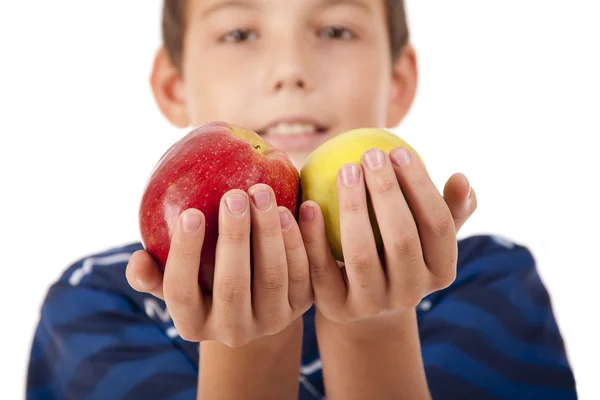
(264, 368)
(393, 325)
(290, 335)
(375, 358)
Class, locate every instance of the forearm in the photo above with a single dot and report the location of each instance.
(361, 363)
(267, 368)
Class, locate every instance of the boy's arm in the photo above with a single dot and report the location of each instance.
(267, 368)
(363, 361)
(251, 326)
(490, 331)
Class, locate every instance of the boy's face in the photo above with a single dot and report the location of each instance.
(296, 71)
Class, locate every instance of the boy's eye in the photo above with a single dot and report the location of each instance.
(336, 32)
(238, 35)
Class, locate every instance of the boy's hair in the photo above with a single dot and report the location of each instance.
(174, 26)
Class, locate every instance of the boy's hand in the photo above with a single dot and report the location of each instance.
(418, 226)
(237, 312)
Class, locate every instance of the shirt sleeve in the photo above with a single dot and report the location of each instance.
(492, 334)
(98, 344)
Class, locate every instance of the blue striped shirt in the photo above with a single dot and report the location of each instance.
(490, 335)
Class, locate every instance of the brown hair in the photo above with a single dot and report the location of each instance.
(173, 27)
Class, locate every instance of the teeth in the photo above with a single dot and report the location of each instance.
(292, 129)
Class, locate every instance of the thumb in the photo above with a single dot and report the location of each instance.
(460, 198)
(144, 275)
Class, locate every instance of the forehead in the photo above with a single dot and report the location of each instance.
(206, 7)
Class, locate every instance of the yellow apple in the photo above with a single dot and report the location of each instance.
(318, 176)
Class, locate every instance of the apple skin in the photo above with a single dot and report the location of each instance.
(197, 171)
(319, 176)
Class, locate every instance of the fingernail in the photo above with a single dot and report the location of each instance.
(400, 156)
(374, 159)
(262, 200)
(236, 203)
(191, 221)
(470, 192)
(306, 213)
(350, 175)
(285, 219)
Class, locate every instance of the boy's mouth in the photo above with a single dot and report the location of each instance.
(293, 127)
(298, 133)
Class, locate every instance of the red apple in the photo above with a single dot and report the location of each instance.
(197, 171)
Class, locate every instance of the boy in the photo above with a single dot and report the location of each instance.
(430, 318)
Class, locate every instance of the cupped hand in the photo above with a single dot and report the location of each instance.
(261, 279)
(418, 226)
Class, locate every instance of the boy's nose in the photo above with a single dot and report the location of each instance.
(290, 72)
(298, 83)
(290, 66)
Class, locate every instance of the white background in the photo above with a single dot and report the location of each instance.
(509, 95)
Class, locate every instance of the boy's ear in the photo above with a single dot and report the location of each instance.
(404, 85)
(167, 86)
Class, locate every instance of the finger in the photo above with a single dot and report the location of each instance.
(460, 198)
(231, 312)
(270, 279)
(433, 218)
(326, 277)
(180, 283)
(365, 273)
(300, 293)
(144, 275)
(402, 248)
